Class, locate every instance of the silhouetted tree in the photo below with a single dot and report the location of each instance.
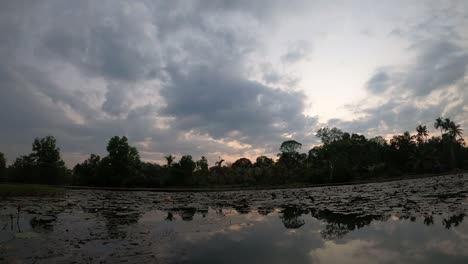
(87, 173)
(49, 164)
(263, 162)
(182, 171)
(169, 159)
(122, 163)
(290, 146)
(328, 135)
(202, 164)
(421, 134)
(2, 166)
(439, 124)
(24, 169)
(342, 157)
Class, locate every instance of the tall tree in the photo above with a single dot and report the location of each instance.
(454, 132)
(242, 163)
(169, 159)
(183, 170)
(328, 135)
(422, 134)
(24, 169)
(48, 161)
(2, 166)
(202, 164)
(263, 162)
(439, 124)
(290, 146)
(122, 162)
(87, 173)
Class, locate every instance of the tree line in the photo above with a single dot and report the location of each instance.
(341, 157)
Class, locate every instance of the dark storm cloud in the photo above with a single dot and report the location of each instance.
(105, 39)
(195, 52)
(116, 103)
(216, 103)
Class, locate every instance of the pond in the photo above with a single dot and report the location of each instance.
(410, 221)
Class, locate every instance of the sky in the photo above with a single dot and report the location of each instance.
(225, 79)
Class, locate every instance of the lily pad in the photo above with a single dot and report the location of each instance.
(26, 235)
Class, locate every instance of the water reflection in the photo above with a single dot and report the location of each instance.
(291, 217)
(265, 234)
(337, 224)
(291, 234)
(454, 220)
(375, 223)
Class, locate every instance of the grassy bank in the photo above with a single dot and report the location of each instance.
(29, 190)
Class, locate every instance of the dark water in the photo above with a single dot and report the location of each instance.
(414, 221)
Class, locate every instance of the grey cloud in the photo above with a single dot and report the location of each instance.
(216, 103)
(102, 40)
(124, 45)
(116, 103)
(298, 51)
(379, 82)
(437, 76)
(272, 77)
(440, 64)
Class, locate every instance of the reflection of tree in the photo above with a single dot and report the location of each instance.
(428, 220)
(43, 223)
(117, 210)
(187, 213)
(334, 231)
(203, 211)
(339, 224)
(291, 217)
(265, 210)
(454, 220)
(242, 207)
(170, 216)
(116, 218)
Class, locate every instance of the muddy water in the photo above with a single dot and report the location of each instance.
(413, 221)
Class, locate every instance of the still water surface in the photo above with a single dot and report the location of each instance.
(417, 221)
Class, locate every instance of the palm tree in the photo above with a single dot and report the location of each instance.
(439, 124)
(454, 130)
(422, 134)
(452, 133)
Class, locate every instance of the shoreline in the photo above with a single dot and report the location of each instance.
(253, 188)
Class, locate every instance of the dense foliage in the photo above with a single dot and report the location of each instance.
(43, 165)
(342, 157)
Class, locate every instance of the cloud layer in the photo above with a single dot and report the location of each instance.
(219, 79)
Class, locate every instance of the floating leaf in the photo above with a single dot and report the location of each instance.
(26, 235)
(5, 247)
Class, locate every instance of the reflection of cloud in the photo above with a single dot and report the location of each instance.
(448, 247)
(232, 224)
(355, 251)
(238, 227)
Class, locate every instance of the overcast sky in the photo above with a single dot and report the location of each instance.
(225, 78)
